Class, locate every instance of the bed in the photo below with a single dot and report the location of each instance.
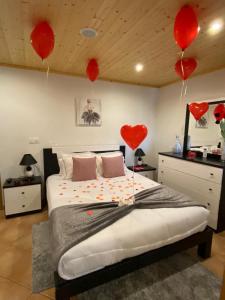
(117, 250)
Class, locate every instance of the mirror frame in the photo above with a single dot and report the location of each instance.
(187, 119)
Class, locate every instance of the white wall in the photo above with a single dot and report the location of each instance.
(170, 111)
(32, 106)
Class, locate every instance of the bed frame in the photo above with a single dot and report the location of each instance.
(68, 288)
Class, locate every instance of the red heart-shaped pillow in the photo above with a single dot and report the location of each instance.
(133, 135)
(198, 109)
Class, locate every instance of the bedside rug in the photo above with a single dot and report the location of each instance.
(177, 277)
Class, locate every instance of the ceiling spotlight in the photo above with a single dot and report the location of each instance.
(139, 67)
(215, 27)
(88, 32)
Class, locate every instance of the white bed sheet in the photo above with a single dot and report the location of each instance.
(140, 231)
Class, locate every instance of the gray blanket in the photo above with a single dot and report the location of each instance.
(72, 224)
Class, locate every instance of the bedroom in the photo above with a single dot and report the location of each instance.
(41, 107)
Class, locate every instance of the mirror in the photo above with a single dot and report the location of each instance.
(204, 133)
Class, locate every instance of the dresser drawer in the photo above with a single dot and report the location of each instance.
(205, 172)
(22, 199)
(203, 191)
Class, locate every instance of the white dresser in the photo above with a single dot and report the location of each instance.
(201, 182)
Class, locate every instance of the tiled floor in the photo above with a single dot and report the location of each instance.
(15, 257)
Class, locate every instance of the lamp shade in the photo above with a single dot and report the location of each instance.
(28, 160)
(139, 152)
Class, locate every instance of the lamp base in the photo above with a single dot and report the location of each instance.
(139, 161)
(28, 171)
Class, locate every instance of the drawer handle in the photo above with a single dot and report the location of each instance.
(162, 172)
(23, 205)
(211, 174)
(210, 189)
(208, 204)
(22, 193)
(162, 160)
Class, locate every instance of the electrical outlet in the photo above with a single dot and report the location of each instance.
(34, 140)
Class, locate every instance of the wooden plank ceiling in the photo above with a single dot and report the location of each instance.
(129, 32)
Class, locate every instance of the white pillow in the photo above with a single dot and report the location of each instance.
(62, 170)
(68, 161)
(105, 154)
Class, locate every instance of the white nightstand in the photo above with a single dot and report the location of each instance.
(22, 196)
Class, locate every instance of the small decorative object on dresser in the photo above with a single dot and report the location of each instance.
(144, 170)
(28, 160)
(22, 195)
(139, 153)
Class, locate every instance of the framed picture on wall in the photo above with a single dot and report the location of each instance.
(88, 112)
(203, 122)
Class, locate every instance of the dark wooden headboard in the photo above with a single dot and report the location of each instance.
(51, 165)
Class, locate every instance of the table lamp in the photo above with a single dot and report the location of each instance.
(27, 161)
(139, 153)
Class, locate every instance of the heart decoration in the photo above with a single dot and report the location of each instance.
(133, 135)
(198, 109)
(219, 113)
(185, 67)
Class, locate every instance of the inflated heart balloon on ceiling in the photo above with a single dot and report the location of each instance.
(185, 67)
(42, 39)
(185, 27)
(92, 70)
(133, 135)
(198, 109)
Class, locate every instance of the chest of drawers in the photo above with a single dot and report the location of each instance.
(202, 183)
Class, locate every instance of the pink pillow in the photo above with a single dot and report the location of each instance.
(113, 166)
(84, 169)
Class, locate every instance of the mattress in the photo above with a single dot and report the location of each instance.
(140, 231)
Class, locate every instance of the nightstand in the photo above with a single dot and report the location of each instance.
(22, 195)
(144, 170)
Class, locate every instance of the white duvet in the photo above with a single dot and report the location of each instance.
(140, 231)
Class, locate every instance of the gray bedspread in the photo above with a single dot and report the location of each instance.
(72, 224)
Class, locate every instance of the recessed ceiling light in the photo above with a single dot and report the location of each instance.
(88, 32)
(139, 67)
(215, 27)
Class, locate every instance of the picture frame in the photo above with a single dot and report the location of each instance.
(203, 122)
(88, 112)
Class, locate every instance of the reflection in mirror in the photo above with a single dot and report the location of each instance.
(205, 132)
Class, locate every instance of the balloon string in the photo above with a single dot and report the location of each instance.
(182, 70)
(185, 90)
(133, 175)
(47, 73)
(182, 89)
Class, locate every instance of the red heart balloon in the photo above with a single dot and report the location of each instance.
(185, 26)
(42, 39)
(198, 109)
(92, 69)
(133, 135)
(185, 67)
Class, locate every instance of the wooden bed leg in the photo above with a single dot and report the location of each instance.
(204, 249)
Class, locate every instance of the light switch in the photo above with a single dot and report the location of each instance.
(34, 140)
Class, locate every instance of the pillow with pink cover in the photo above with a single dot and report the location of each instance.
(113, 166)
(84, 169)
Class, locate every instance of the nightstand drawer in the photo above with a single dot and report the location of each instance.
(22, 199)
(148, 174)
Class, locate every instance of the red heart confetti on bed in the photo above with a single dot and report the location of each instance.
(90, 212)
